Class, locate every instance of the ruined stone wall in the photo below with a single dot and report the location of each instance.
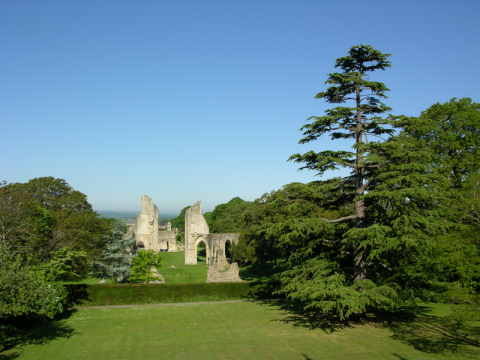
(216, 244)
(218, 274)
(146, 227)
(166, 241)
(195, 226)
(196, 231)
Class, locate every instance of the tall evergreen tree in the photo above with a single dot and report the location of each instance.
(370, 257)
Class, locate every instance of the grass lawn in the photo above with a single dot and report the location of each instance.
(244, 331)
(183, 273)
(198, 273)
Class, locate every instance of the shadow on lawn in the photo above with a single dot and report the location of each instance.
(22, 333)
(438, 335)
(412, 326)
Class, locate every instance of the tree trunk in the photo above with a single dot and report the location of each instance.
(359, 267)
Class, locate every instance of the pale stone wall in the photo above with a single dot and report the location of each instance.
(216, 274)
(146, 227)
(142, 230)
(195, 226)
(166, 241)
(196, 231)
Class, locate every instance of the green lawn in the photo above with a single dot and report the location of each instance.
(191, 273)
(183, 273)
(243, 331)
(198, 273)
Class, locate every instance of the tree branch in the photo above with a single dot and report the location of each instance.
(338, 220)
(331, 241)
(362, 189)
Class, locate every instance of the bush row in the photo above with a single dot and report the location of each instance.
(142, 294)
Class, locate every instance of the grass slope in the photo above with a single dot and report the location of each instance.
(240, 331)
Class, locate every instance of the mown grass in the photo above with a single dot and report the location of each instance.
(245, 331)
(182, 273)
(198, 273)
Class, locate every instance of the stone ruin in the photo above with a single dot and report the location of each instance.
(220, 269)
(146, 231)
(148, 237)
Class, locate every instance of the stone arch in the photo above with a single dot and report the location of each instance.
(226, 249)
(198, 240)
(140, 245)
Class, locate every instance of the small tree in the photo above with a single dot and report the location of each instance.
(141, 267)
(117, 254)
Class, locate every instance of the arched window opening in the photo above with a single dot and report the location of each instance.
(228, 251)
(140, 245)
(201, 252)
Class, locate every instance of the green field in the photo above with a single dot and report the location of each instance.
(183, 273)
(243, 330)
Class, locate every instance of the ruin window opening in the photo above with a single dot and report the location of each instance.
(201, 251)
(228, 251)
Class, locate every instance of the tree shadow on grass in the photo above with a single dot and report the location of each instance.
(294, 314)
(412, 326)
(438, 335)
(21, 333)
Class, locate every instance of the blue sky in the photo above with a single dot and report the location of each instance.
(202, 100)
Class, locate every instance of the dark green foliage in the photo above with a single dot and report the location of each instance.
(227, 218)
(141, 265)
(61, 266)
(24, 291)
(452, 131)
(265, 271)
(126, 294)
(259, 241)
(45, 215)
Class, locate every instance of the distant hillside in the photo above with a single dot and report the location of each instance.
(131, 215)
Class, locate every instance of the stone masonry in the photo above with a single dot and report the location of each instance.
(146, 227)
(196, 231)
(146, 231)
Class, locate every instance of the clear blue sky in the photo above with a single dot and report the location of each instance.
(202, 100)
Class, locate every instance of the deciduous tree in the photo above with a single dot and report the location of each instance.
(144, 261)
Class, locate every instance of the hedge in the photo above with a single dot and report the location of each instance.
(143, 294)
